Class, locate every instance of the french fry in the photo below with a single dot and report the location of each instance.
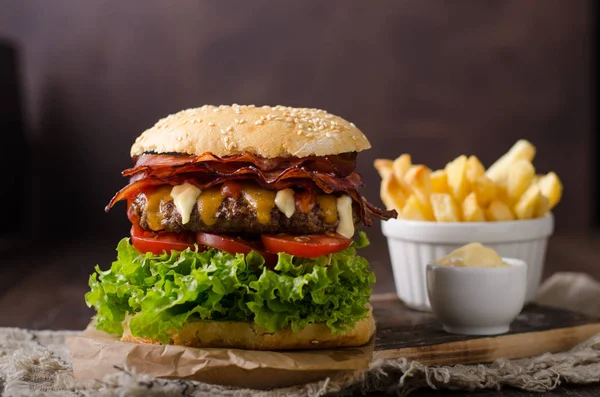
(522, 150)
(519, 178)
(525, 207)
(471, 211)
(392, 195)
(439, 182)
(418, 179)
(502, 192)
(551, 187)
(412, 210)
(444, 208)
(383, 166)
(498, 211)
(485, 190)
(457, 182)
(401, 165)
(541, 207)
(474, 169)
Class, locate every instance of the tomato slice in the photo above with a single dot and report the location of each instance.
(234, 246)
(145, 241)
(306, 246)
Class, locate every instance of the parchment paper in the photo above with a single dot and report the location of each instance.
(95, 354)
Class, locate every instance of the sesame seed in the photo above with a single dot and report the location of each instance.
(299, 132)
(211, 123)
(229, 129)
(328, 134)
(216, 110)
(222, 131)
(288, 119)
(352, 124)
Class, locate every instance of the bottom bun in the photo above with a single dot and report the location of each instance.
(243, 335)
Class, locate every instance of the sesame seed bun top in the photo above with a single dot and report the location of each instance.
(265, 131)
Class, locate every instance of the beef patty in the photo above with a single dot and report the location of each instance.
(236, 216)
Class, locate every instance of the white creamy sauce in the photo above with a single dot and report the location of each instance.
(344, 209)
(284, 200)
(184, 197)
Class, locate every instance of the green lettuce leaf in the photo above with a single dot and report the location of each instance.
(162, 292)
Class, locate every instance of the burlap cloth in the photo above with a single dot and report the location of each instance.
(36, 363)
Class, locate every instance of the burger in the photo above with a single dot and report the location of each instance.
(244, 231)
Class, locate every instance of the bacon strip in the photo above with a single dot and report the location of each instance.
(269, 177)
(329, 174)
(367, 209)
(378, 212)
(340, 165)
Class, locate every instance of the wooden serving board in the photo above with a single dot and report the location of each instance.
(402, 332)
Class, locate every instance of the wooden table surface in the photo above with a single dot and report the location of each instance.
(46, 291)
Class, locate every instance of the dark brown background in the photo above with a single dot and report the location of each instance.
(432, 78)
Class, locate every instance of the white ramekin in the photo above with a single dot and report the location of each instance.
(414, 244)
(477, 301)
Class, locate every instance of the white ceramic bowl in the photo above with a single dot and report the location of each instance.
(477, 301)
(414, 244)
